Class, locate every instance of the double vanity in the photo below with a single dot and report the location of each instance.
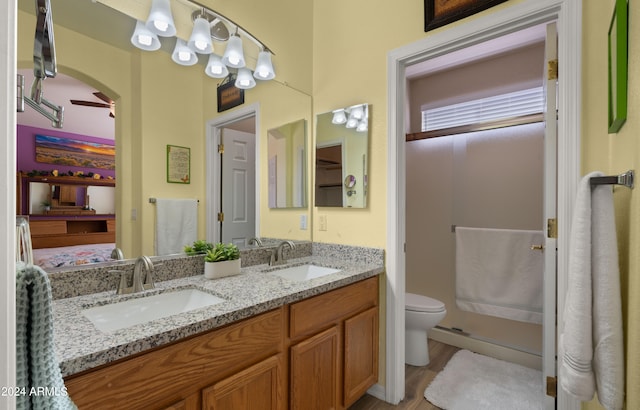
(301, 335)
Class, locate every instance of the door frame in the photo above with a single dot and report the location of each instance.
(214, 128)
(568, 13)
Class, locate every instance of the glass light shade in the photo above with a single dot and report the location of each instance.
(233, 54)
(352, 122)
(264, 68)
(357, 112)
(362, 126)
(215, 68)
(200, 40)
(160, 19)
(144, 39)
(245, 80)
(182, 54)
(339, 117)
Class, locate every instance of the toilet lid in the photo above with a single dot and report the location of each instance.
(420, 303)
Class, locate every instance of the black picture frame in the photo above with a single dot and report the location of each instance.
(438, 13)
(229, 96)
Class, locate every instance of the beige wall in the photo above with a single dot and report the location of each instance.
(337, 52)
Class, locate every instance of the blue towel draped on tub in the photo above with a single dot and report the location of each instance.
(38, 376)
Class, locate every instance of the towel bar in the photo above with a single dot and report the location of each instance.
(625, 179)
(153, 200)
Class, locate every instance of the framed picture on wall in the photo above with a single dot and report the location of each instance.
(618, 67)
(178, 164)
(438, 13)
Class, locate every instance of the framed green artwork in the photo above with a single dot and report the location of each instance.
(618, 67)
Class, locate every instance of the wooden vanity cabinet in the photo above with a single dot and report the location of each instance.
(334, 347)
(202, 370)
(319, 353)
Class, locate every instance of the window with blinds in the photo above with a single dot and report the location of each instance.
(494, 109)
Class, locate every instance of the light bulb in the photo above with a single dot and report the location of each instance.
(145, 40)
(161, 25)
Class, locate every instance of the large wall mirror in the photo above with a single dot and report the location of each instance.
(287, 153)
(342, 149)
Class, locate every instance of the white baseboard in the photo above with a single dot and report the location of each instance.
(377, 391)
(486, 348)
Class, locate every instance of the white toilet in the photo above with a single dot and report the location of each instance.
(421, 314)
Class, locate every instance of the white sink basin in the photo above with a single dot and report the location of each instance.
(303, 272)
(120, 315)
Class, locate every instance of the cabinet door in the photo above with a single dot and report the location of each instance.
(360, 354)
(190, 403)
(314, 372)
(256, 388)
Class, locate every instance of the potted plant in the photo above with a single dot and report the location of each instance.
(223, 260)
(198, 247)
(46, 205)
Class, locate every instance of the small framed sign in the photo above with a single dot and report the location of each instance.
(229, 96)
(178, 164)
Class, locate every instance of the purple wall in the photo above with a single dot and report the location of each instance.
(26, 148)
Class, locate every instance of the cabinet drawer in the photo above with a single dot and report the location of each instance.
(169, 374)
(47, 227)
(311, 315)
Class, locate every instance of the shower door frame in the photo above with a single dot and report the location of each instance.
(508, 19)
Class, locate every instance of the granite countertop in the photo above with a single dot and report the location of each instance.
(81, 346)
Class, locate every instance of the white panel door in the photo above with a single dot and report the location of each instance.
(238, 187)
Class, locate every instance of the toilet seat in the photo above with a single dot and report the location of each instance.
(420, 303)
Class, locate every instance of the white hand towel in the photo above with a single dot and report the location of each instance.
(608, 356)
(576, 348)
(593, 314)
(176, 224)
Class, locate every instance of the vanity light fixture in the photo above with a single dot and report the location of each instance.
(182, 54)
(145, 39)
(339, 117)
(209, 29)
(160, 20)
(358, 117)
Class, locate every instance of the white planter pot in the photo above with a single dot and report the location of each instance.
(214, 270)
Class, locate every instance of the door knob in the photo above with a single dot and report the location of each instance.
(537, 248)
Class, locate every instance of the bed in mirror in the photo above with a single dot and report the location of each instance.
(342, 144)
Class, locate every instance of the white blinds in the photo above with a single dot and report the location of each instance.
(504, 106)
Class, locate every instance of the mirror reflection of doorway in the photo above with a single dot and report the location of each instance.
(329, 175)
(237, 185)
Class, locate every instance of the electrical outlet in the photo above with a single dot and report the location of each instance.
(134, 214)
(323, 222)
(303, 222)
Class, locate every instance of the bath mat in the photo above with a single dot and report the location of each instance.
(471, 381)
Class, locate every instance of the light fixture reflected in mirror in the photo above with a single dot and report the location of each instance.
(342, 145)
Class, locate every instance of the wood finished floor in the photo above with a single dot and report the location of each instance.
(416, 381)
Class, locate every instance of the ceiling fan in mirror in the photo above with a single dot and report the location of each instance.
(108, 103)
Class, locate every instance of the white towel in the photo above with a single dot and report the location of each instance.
(176, 224)
(593, 313)
(498, 274)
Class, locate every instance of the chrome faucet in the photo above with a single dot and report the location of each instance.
(277, 257)
(257, 241)
(142, 277)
